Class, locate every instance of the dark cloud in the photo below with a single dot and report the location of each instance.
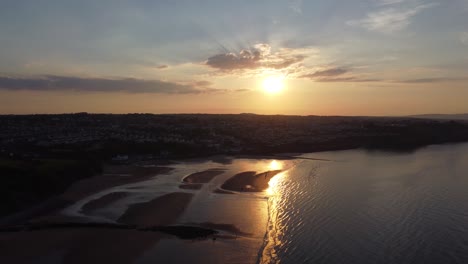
(346, 79)
(242, 90)
(325, 73)
(336, 74)
(231, 61)
(65, 83)
(202, 83)
(259, 56)
(162, 67)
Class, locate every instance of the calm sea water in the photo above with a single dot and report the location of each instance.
(371, 207)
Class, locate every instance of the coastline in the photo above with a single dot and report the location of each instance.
(167, 208)
(79, 190)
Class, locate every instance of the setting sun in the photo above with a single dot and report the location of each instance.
(273, 84)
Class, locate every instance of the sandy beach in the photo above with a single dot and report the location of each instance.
(90, 245)
(75, 246)
(203, 176)
(113, 175)
(193, 186)
(156, 202)
(102, 201)
(163, 210)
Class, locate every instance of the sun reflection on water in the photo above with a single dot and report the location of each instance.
(275, 165)
(274, 231)
(273, 184)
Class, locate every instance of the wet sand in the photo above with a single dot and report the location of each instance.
(90, 245)
(224, 227)
(104, 245)
(194, 186)
(249, 181)
(111, 177)
(76, 246)
(203, 176)
(220, 191)
(163, 210)
(103, 201)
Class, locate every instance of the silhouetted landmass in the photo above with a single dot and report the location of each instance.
(103, 137)
(41, 155)
(443, 116)
(27, 182)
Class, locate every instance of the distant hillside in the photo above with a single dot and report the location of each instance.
(442, 116)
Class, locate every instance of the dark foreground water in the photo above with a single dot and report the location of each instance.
(371, 207)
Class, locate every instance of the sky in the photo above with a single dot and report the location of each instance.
(309, 57)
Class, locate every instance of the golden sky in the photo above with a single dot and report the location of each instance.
(363, 57)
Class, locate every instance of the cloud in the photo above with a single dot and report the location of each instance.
(464, 38)
(390, 2)
(259, 56)
(434, 80)
(326, 73)
(296, 6)
(202, 83)
(336, 74)
(160, 67)
(346, 74)
(242, 90)
(128, 85)
(389, 20)
(347, 79)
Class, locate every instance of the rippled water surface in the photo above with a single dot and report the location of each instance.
(371, 207)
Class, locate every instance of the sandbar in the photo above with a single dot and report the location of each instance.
(102, 202)
(249, 181)
(203, 176)
(193, 186)
(163, 210)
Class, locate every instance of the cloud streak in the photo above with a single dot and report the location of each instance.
(464, 38)
(433, 80)
(337, 74)
(326, 73)
(389, 20)
(79, 84)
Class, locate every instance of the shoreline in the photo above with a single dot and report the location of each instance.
(79, 190)
(203, 176)
(249, 181)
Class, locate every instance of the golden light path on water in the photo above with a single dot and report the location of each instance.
(273, 235)
(275, 165)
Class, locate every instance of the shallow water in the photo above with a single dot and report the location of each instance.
(372, 207)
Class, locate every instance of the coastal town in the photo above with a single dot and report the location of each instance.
(120, 137)
(67, 148)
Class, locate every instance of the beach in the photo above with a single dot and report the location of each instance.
(189, 195)
(163, 210)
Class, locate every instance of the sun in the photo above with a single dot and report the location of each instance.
(273, 84)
